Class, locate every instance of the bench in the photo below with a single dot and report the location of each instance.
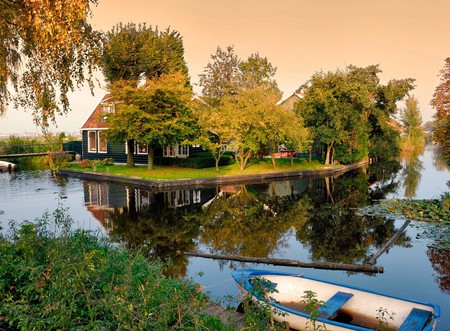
(416, 320)
(334, 304)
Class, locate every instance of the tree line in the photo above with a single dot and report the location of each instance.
(347, 112)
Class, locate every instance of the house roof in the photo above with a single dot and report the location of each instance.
(95, 119)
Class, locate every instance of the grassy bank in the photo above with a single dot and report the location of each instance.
(174, 173)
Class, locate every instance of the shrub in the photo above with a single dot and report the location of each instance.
(52, 278)
(58, 160)
(86, 163)
(200, 161)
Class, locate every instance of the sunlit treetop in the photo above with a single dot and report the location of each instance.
(47, 50)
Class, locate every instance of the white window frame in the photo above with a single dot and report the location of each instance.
(176, 151)
(92, 146)
(142, 149)
(101, 136)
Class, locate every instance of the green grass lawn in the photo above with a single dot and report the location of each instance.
(173, 173)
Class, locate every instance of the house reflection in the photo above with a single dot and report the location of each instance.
(103, 198)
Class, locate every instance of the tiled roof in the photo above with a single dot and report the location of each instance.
(95, 120)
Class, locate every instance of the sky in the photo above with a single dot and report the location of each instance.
(406, 38)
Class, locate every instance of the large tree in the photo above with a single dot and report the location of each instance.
(47, 49)
(221, 76)
(133, 56)
(244, 96)
(345, 109)
(441, 103)
(156, 114)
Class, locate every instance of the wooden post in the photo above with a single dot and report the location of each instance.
(389, 243)
(292, 263)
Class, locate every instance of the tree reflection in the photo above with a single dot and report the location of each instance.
(335, 232)
(383, 179)
(439, 161)
(440, 260)
(411, 173)
(166, 232)
(247, 222)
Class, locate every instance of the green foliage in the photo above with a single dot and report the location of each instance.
(349, 111)
(58, 160)
(257, 306)
(312, 306)
(20, 145)
(435, 210)
(132, 50)
(413, 137)
(198, 162)
(240, 108)
(54, 279)
(156, 113)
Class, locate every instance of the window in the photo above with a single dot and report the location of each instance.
(142, 149)
(183, 150)
(108, 108)
(102, 143)
(176, 151)
(92, 141)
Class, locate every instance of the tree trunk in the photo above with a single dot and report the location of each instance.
(327, 157)
(292, 159)
(217, 155)
(273, 155)
(150, 157)
(130, 153)
(310, 154)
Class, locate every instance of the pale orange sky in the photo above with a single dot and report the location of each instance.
(407, 38)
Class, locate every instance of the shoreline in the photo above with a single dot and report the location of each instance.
(212, 181)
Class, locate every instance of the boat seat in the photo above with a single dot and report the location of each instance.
(333, 304)
(416, 320)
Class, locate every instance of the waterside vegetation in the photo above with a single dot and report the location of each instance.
(52, 278)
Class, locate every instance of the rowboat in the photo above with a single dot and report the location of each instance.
(341, 307)
(7, 166)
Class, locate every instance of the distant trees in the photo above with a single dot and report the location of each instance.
(148, 79)
(412, 122)
(348, 112)
(441, 103)
(244, 96)
(47, 49)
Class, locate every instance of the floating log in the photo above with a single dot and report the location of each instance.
(389, 243)
(292, 263)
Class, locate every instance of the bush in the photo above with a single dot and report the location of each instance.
(86, 163)
(58, 160)
(80, 281)
(200, 161)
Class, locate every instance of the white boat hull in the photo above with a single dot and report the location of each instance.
(363, 311)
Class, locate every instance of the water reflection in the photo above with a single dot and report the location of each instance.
(254, 220)
(411, 173)
(440, 261)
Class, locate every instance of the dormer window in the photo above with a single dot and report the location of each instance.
(108, 108)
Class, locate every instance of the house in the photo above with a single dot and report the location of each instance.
(95, 144)
(290, 101)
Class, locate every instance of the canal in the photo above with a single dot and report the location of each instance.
(315, 219)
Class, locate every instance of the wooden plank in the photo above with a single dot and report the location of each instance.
(416, 320)
(292, 263)
(334, 304)
(389, 242)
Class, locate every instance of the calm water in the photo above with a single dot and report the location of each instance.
(306, 220)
